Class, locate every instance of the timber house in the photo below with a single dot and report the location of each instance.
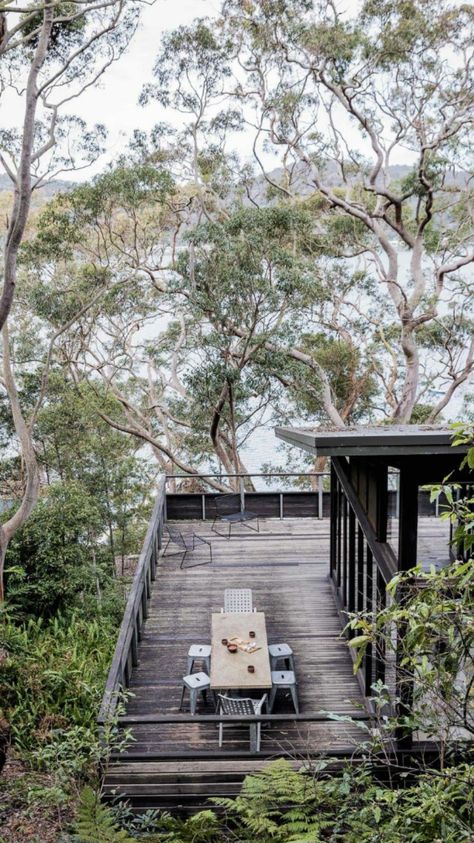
(319, 553)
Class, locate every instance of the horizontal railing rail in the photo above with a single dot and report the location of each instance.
(317, 717)
(136, 611)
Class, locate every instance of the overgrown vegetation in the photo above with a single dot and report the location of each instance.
(156, 316)
(65, 601)
(286, 805)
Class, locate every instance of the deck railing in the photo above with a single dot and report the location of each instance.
(296, 502)
(267, 503)
(136, 611)
(361, 565)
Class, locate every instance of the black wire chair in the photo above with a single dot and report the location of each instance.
(187, 543)
(228, 510)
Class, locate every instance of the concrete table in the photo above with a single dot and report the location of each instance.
(229, 670)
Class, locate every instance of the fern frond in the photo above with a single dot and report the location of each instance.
(96, 822)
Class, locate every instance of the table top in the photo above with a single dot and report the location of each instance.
(229, 670)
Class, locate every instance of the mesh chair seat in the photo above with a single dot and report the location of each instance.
(233, 517)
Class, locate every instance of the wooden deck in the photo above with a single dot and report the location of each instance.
(178, 764)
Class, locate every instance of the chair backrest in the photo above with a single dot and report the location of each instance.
(227, 504)
(236, 705)
(238, 600)
(175, 535)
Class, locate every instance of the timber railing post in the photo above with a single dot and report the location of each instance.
(333, 526)
(320, 496)
(242, 493)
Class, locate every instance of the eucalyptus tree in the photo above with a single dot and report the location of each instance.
(75, 445)
(199, 332)
(50, 54)
(346, 100)
(258, 281)
(104, 252)
(189, 79)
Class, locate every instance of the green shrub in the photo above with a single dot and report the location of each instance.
(52, 677)
(55, 561)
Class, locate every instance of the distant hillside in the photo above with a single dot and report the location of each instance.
(303, 185)
(46, 192)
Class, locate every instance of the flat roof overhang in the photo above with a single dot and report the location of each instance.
(393, 440)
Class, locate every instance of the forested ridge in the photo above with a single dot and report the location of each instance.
(292, 241)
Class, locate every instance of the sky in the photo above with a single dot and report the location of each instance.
(114, 101)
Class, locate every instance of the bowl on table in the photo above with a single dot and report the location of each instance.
(232, 648)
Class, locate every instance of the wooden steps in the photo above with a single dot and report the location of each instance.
(177, 786)
(182, 787)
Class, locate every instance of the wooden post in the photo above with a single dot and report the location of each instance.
(344, 550)
(369, 600)
(339, 533)
(408, 521)
(320, 495)
(382, 503)
(407, 558)
(333, 526)
(351, 597)
(380, 649)
(360, 569)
